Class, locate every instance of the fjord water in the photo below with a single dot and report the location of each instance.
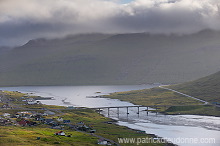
(78, 96)
(167, 126)
(183, 130)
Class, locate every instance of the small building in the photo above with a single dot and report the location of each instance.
(24, 114)
(60, 119)
(61, 133)
(23, 122)
(32, 123)
(44, 114)
(80, 123)
(83, 128)
(92, 131)
(6, 115)
(66, 121)
(48, 121)
(6, 106)
(32, 101)
(104, 142)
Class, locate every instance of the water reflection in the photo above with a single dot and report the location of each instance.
(161, 125)
(170, 126)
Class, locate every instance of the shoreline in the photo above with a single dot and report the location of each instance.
(176, 104)
(161, 112)
(135, 130)
(64, 110)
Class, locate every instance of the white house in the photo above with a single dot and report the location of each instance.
(60, 119)
(103, 142)
(6, 115)
(32, 101)
(61, 133)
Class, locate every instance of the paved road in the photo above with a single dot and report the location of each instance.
(205, 102)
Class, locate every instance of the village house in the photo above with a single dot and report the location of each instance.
(44, 114)
(6, 115)
(37, 117)
(61, 133)
(92, 131)
(60, 119)
(80, 123)
(31, 102)
(83, 128)
(27, 123)
(48, 121)
(104, 142)
(4, 122)
(23, 122)
(66, 121)
(6, 106)
(24, 114)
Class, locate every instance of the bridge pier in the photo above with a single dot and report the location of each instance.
(147, 110)
(127, 108)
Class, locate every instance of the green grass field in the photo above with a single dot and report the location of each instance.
(158, 96)
(12, 135)
(16, 135)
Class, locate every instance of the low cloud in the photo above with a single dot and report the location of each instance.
(22, 20)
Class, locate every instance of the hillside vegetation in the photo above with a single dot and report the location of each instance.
(42, 133)
(207, 88)
(100, 59)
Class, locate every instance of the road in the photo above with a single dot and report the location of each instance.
(205, 102)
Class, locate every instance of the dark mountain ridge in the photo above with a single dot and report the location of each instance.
(100, 59)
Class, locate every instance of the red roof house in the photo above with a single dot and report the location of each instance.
(60, 133)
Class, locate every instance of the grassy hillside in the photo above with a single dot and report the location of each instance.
(41, 134)
(207, 88)
(112, 59)
(28, 136)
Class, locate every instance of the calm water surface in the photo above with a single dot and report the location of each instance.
(78, 95)
(167, 126)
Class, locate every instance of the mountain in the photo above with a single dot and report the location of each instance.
(207, 88)
(100, 59)
(4, 49)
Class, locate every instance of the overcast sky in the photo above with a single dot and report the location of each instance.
(22, 20)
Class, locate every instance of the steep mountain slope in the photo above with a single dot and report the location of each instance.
(112, 59)
(207, 88)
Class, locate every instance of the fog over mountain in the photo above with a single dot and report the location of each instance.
(100, 59)
(22, 20)
(84, 42)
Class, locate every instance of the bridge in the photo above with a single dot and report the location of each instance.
(155, 108)
(127, 107)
